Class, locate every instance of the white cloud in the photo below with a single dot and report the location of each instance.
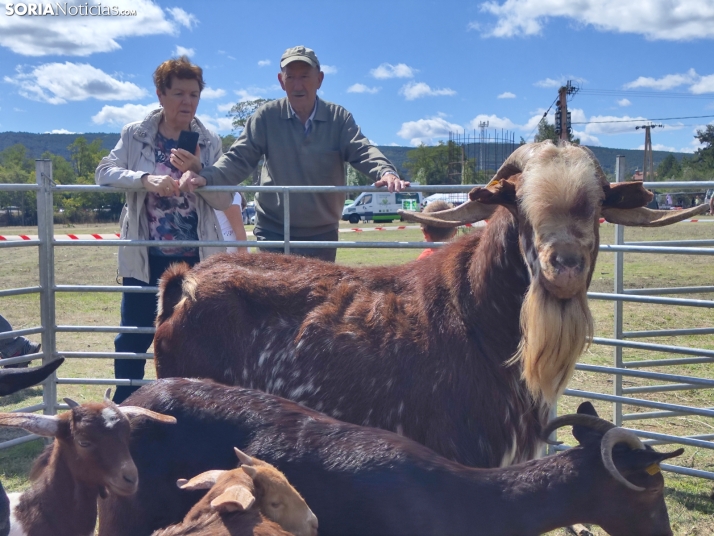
(704, 85)
(624, 102)
(182, 17)
(387, 70)
(361, 88)
(58, 83)
(507, 95)
(658, 147)
(60, 131)
(224, 107)
(427, 130)
(121, 115)
(82, 36)
(493, 122)
(263, 63)
(551, 83)
(328, 69)
(416, 90)
(183, 51)
(247, 95)
(673, 20)
(585, 138)
(210, 93)
(669, 81)
(217, 124)
(609, 124)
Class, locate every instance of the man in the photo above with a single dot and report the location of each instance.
(304, 141)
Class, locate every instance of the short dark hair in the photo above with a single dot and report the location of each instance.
(438, 234)
(179, 67)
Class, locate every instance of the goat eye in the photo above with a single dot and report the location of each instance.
(275, 505)
(84, 444)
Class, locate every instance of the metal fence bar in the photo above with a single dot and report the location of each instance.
(682, 410)
(675, 290)
(667, 333)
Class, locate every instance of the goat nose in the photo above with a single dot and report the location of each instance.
(567, 261)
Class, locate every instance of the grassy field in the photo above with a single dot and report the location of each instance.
(688, 498)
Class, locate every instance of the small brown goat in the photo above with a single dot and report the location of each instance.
(11, 381)
(371, 482)
(89, 458)
(465, 351)
(254, 499)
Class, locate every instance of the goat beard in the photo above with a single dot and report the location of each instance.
(554, 333)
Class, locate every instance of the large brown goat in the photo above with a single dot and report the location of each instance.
(464, 352)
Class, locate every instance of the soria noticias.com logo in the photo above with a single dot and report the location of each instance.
(72, 10)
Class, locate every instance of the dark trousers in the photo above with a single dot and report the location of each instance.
(139, 309)
(325, 254)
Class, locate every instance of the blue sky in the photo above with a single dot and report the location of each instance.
(409, 71)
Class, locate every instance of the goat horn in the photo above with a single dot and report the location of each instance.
(71, 403)
(609, 440)
(469, 212)
(647, 217)
(205, 480)
(134, 411)
(107, 394)
(579, 419)
(42, 425)
(243, 458)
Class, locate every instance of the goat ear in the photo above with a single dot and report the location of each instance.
(625, 195)
(134, 411)
(236, 498)
(497, 192)
(42, 425)
(644, 460)
(587, 408)
(586, 435)
(203, 481)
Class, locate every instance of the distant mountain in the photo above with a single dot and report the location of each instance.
(36, 144)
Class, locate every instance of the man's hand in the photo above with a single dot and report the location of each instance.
(190, 181)
(393, 182)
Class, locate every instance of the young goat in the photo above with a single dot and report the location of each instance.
(368, 481)
(254, 499)
(89, 458)
(11, 381)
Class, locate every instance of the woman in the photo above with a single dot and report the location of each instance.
(231, 222)
(147, 157)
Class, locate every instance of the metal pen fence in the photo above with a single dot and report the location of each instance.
(621, 368)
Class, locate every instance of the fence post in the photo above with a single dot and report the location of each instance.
(286, 221)
(45, 230)
(619, 288)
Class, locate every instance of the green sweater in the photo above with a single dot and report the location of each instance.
(293, 158)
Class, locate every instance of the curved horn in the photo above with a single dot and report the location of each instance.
(42, 425)
(580, 419)
(12, 380)
(609, 440)
(134, 411)
(71, 403)
(107, 395)
(647, 217)
(243, 458)
(203, 481)
(469, 212)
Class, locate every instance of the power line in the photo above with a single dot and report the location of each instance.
(640, 120)
(646, 94)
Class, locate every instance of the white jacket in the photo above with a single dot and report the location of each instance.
(132, 158)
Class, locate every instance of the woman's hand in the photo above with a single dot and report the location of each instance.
(163, 185)
(185, 161)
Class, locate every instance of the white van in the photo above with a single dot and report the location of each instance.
(381, 206)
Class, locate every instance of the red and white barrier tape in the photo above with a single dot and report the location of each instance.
(115, 236)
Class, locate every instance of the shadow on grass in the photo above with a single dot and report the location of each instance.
(695, 501)
(20, 396)
(17, 461)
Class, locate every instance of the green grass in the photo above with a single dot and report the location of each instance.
(691, 510)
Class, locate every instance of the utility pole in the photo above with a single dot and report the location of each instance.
(648, 165)
(562, 115)
(483, 125)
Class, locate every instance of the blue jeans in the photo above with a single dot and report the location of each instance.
(139, 309)
(10, 347)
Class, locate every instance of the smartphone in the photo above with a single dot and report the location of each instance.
(188, 140)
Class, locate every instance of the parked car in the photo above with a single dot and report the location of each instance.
(380, 206)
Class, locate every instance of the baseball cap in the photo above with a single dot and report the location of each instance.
(299, 53)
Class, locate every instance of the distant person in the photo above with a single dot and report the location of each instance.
(711, 205)
(147, 156)
(231, 222)
(304, 141)
(436, 234)
(15, 346)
